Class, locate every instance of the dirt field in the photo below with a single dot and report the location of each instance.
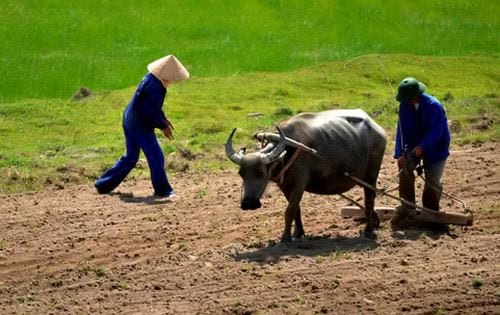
(68, 250)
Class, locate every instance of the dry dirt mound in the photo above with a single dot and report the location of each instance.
(72, 251)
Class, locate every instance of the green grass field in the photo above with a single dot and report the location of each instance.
(275, 58)
(53, 142)
(50, 48)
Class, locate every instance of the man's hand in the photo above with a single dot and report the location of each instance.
(418, 151)
(168, 130)
(401, 162)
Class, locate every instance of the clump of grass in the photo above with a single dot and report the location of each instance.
(320, 259)
(24, 299)
(477, 283)
(100, 272)
(299, 300)
(283, 112)
(91, 270)
(201, 193)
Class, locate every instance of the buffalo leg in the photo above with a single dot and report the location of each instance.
(372, 219)
(299, 228)
(292, 213)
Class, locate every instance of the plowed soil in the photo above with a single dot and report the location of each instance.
(68, 250)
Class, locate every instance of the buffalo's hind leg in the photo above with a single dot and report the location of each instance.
(373, 168)
(372, 220)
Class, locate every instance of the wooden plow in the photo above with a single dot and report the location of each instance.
(418, 212)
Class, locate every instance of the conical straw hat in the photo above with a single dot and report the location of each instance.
(168, 68)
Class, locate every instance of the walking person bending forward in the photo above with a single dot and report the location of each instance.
(422, 135)
(142, 115)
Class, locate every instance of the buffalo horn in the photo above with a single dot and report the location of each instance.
(233, 156)
(289, 141)
(278, 152)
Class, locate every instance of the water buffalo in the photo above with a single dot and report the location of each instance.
(329, 144)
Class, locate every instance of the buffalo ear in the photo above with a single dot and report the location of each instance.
(243, 150)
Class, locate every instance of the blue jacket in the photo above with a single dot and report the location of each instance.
(427, 127)
(144, 111)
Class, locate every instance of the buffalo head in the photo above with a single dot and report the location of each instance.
(255, 168)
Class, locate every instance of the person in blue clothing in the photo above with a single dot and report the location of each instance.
(141, 117)
(422, 136)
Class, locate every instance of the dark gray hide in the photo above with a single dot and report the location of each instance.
(345, 141)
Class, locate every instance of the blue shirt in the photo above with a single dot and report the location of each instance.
(145, 108)
(426, 126)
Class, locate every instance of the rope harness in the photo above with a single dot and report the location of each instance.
(279, 178)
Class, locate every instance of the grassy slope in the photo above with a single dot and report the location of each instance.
(53, 141)
(50, 48)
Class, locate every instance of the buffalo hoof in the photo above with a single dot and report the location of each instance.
(369, 234)
(286, 239)
(298, 234)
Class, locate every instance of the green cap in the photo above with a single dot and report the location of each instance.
(409, 88)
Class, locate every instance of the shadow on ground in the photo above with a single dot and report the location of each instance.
(150, 200)
(309, 246)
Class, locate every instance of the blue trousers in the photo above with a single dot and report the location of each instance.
(136, 140)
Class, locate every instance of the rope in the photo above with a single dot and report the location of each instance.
(380, 191)
(420, 173)
(464, 205)
(354, 202)
(295, 156)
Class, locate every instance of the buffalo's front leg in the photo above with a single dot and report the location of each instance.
(299, 228)
(292, 213)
